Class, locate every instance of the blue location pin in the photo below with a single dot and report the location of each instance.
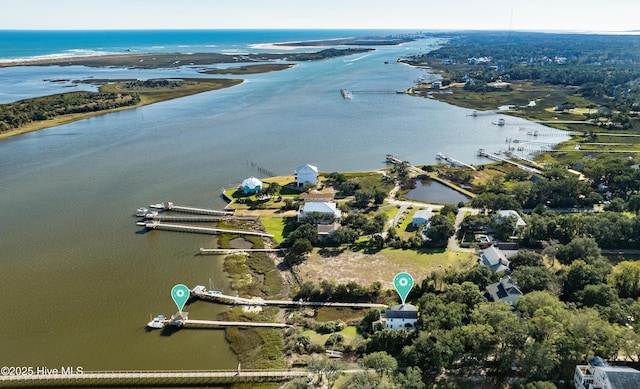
(180, 295)
(403, 283)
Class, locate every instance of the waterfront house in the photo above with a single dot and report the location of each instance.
(494, 259)
(401, 317)
(319, 207)
(599, 374)
(506, 290)
(306, 174)
(422, 216)
(251, 185)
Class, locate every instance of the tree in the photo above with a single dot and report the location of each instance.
(411, 379)
(297, 251)
(626, 279)
(380, 361)
(440, 231)
(531, 278)
(601, 294)
(578, 248)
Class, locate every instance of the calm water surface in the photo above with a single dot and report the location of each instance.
(80, 279)
(434, 192)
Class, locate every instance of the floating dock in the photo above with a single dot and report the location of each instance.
(156, 225)
(170, 206)
(454, 161)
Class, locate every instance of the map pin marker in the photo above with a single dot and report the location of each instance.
(403, 283)
(180, 295)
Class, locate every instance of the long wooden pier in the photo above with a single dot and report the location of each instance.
(156, 225)
(226, 299)
(238, 251)
(454, 161)
(170, 206)
(146, 378)
(498, 158)
(197, 219)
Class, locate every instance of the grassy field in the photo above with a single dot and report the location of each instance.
(382, 266)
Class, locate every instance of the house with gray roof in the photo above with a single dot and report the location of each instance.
(494, 259)
(599, 374)
(402, 316)
(506, 290)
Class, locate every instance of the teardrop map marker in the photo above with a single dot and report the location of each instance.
(180, 295)
(403, 283)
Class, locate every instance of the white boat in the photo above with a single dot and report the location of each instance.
(157, 322)
(345, 93)
(142, 211)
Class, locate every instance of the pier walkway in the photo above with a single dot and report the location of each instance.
(238, 251)
(197, 219)
(170, 206)
(145, 378)
(199, 292)
(156, 225)
(498, 158)
(454, 161)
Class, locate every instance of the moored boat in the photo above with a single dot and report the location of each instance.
(157, 323)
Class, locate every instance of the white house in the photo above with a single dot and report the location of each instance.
(422, 216)
(511, 213)
(306, 174)
(401, 316)
(506, 290)
(494, 259)
(319, 207)
(251, 185)
(598, 374)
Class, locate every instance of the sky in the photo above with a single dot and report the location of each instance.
(537, 15)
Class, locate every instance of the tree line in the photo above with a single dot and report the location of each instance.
(15, 115)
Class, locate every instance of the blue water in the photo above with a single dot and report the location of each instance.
(28, 44)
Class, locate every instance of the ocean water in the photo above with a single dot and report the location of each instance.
(83, 279)
(45, 44)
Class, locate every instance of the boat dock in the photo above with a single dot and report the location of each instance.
(156, 225)
(394, 160)
(200, 293)
(454, 161)
(237, 251)
(197, 219)
(181, 319)
(498, 158)
(170, 206)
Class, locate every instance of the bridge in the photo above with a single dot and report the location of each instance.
(75, 378)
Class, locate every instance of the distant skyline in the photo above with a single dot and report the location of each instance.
(518, 15)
